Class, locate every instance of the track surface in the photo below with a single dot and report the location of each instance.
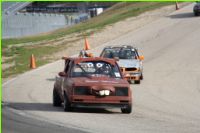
(15, 123)
(167, 100)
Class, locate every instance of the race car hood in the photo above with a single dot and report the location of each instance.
(91, 81)
(129, 63)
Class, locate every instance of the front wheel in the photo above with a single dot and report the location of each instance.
(127, 109)
(196, 14)
(66, 104)
(56, 99)
(137, 81)
(141, 77)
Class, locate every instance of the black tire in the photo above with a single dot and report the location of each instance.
(66, 104)
(196, 14)
(127, 109)
(56, 99)
(137, 81)
(141, 77)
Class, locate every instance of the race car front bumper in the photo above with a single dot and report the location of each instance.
(133, 76)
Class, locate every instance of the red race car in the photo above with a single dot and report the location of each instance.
(92, 82)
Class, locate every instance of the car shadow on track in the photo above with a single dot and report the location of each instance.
(34, 106)
(94, 110)
(182, 15)
(50, 108)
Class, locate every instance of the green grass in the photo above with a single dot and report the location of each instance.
(21, 54)
(22, 58)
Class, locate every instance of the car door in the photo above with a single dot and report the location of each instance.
(61, 79)
(67, 82)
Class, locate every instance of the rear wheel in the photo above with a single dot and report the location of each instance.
(66, 104)
(56, 98)
(127, 109)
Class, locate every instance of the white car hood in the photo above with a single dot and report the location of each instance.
(129, 63)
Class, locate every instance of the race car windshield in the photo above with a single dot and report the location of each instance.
(95, 69)
(127, 54)
(121, 54)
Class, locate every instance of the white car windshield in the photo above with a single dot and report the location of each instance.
(120, 53)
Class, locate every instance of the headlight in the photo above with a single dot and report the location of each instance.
(104, 92)
(121, 91)
(82, 90)
(127, 75)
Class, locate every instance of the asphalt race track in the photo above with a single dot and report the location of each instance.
(167, 100)
(15, 123)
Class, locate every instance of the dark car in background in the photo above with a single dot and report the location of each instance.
(196, 9)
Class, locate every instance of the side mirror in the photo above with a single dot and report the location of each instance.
(62, 74)
(141, 57)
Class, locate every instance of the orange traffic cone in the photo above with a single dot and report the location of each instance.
(32, 62)
(87, 46)
(177, 6)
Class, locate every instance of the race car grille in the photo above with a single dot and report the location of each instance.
(131, 69)
(82, 90)
(121, 91)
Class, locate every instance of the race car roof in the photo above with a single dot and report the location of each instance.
(79, 60)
